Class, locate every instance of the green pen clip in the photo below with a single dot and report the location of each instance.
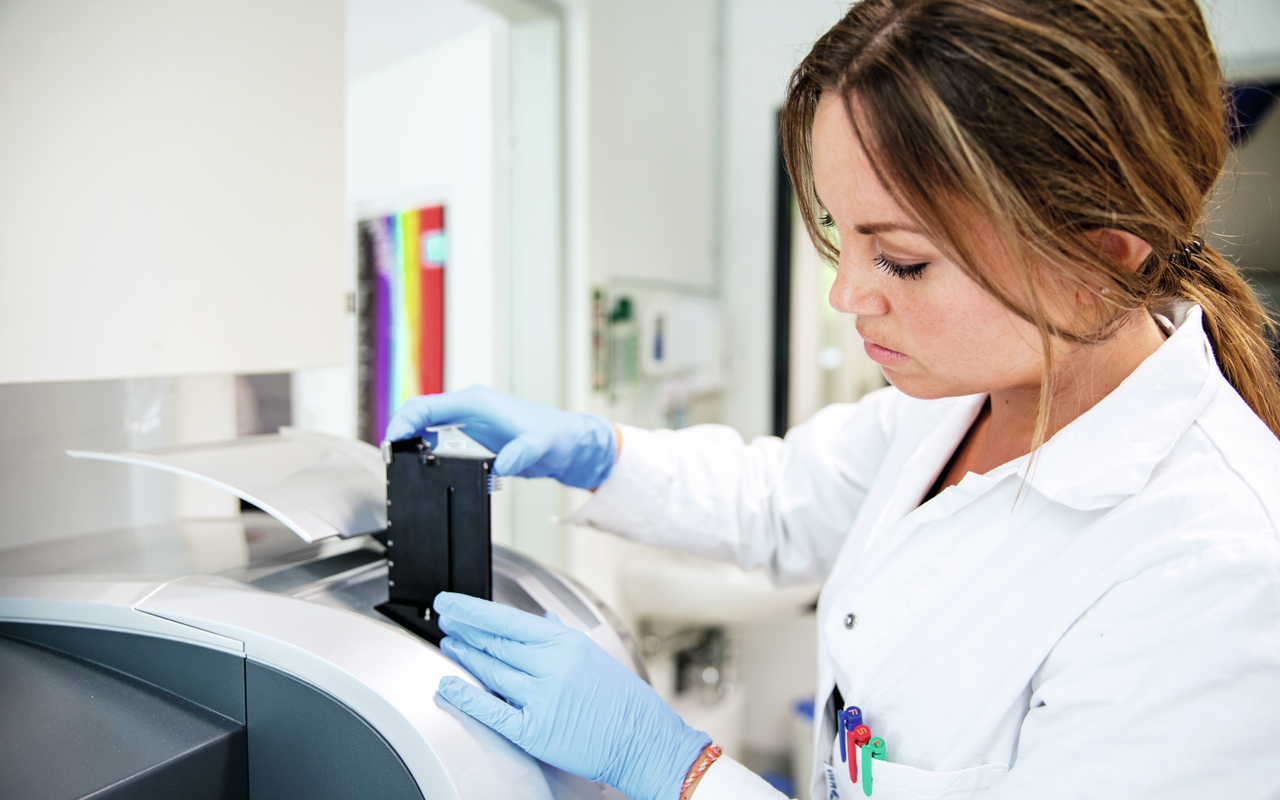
(870, 750)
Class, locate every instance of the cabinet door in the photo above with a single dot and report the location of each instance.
(653, 161)
(171, 187)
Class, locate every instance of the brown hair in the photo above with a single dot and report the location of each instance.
(1048, 118)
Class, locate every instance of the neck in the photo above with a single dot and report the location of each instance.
(1082, 376)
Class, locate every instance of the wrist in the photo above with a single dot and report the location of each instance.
(709, 755)
(592, 454)
(613, 458)
(656, 757)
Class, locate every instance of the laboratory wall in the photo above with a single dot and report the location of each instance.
(763, 42)
(418, 135)
(427, 124)
(44, 494)
(1245, 215)
(1247, 35)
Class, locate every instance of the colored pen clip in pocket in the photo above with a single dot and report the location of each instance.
(846, 721)
(872, 750)
(858, 738)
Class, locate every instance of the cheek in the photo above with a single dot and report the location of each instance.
(973, 336)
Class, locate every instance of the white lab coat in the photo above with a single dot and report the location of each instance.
(1101, 621)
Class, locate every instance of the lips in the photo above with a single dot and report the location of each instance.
(882, 355)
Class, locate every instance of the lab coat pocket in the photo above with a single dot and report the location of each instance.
(891, 781)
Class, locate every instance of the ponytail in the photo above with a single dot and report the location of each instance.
(1235, 322)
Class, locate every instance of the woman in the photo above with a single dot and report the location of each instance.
(1050, 548)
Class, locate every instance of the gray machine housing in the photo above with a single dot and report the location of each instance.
(276, 678)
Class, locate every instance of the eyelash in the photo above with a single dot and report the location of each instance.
(910, 272)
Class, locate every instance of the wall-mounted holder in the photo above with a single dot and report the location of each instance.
(438, 535)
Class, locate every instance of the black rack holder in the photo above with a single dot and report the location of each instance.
(439, 535)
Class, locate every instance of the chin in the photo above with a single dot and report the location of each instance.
(923, 389)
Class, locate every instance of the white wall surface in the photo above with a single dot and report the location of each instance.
(433, 130)
(1247, 33)
(670, 140)
(170, 187)
(384, 33)
(763, 41)
(537, 261)
(46, 495)
(427, 132)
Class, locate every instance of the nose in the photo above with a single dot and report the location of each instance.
(854, 290)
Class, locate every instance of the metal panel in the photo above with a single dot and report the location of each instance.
(210, 678)
(381, 672)
(73, 729)
(304, 743)
(317, 485)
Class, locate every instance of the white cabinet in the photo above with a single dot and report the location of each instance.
(653, 108)
(171, 187)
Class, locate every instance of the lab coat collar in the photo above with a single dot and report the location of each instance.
(1110, 451)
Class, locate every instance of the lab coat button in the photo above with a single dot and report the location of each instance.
(850, 621)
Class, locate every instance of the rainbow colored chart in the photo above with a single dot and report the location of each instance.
(402, 259)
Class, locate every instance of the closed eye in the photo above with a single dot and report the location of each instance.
(904, 271)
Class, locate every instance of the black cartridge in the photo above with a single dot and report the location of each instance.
(438, 531)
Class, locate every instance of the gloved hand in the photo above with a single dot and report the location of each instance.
(568, 702)
(531, 440)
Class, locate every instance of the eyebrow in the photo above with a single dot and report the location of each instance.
(883, 227)
(875, 227)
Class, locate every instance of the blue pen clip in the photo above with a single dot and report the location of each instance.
(846, 721)
(853, 717)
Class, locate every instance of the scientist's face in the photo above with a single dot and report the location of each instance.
(934, 332)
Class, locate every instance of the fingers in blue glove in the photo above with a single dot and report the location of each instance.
(417, 414)
(507, 622)
(518, 654)
(486, 413)
(519, 454)
(483, 706)
(507, 681)
(531, 440)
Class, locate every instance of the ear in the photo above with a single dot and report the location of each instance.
(1122, 247)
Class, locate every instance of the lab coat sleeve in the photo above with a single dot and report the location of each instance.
(728, 780)
(1165, 688)
(785, 504)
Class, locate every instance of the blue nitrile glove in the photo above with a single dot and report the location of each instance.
(568, 702)
(531, 440)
